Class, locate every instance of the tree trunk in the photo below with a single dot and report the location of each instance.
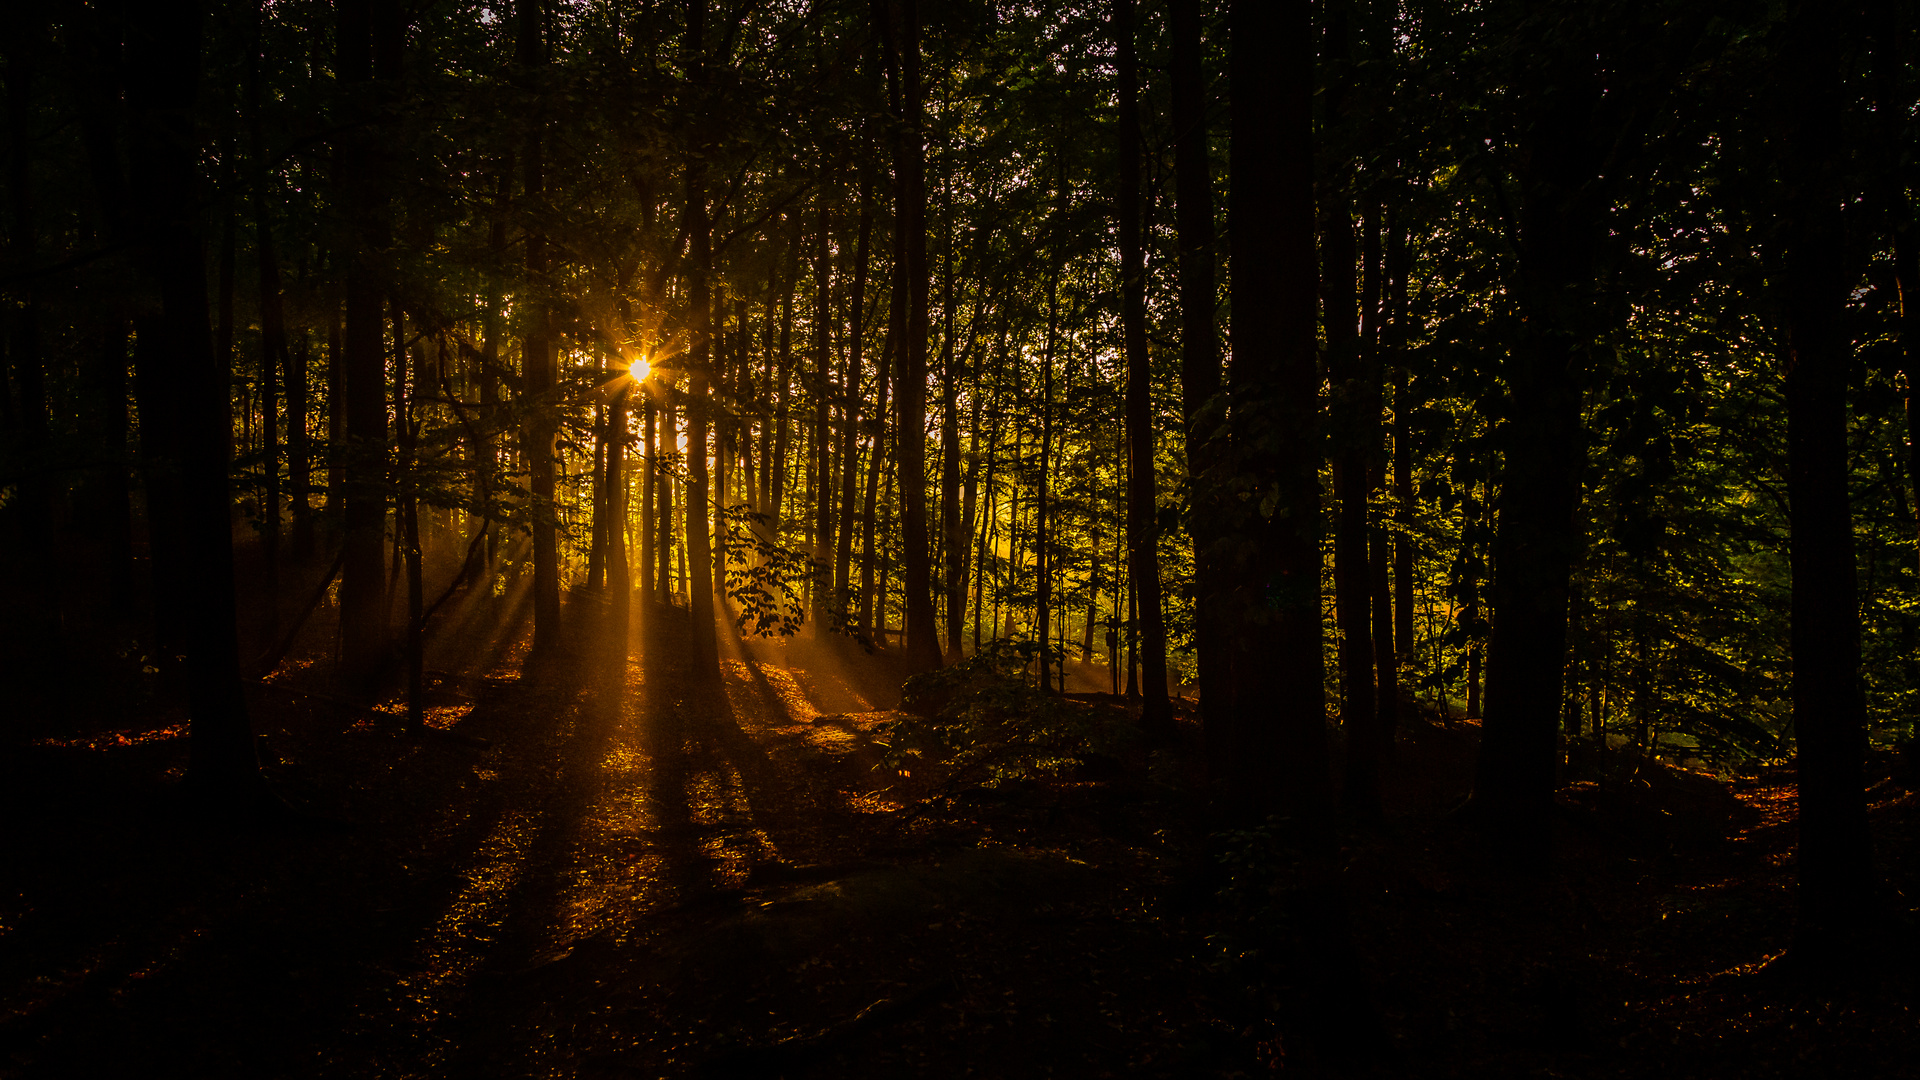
(188, 389)
(850, 433)
(670, 444)
(361, 175)
(820, 460)
(1538, 535)
(875, 458)
(901, 24)
(1199, 362)
(1398, 260)
(1354, 420)
(649, 485)
(538, 374)
(35, 635)
(952, 530)
(1838, 918)
(273, 347)
(1143, 547)
(706, 654)
(1279, 744)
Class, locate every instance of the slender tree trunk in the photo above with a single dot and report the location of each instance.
(706, 655)
(670, 442)
(1042, 578)
(361, 175)
(1354, 424)
(1199, 364)
(1397, 262)
(619, 573)
(820, 460)
(783, 379)
(273, 342)
(409, 524)
(953, 535)
(902, 23)
(538, 374)
(649, 487)
(1143, 543)
(875, 459)
(850, 434)
(35, 635)
(597, 543)
(487, 453)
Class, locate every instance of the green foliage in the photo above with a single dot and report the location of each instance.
(986, 721)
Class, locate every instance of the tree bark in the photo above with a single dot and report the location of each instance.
(538, 374)
(1199, 363)
(901, 23)
(1143, 542)
(1279, 745)
(850, 433)
(1837, 907)
(361, 176)
(184, 382)
(706, 654)
(1538, 535)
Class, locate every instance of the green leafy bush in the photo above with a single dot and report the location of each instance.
(987, 721)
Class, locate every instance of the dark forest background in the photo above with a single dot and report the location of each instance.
(1308, 370)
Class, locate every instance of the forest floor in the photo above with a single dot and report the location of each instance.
(606, 867)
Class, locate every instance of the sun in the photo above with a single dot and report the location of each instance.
(639, 370)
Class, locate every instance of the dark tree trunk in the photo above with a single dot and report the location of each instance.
(1199, 362)
(1838, 916)
(1538, 534)
(706, 653)
(1380, 553)
(953, 536)
(1352, 579)
(538, 374)
(1279, 744)
(1143, 540)
(361, 177)
(619, 572)
(35, 634)
(273, 345)
(1355, 422)
(486, 453)
(900, 20)
(820, 460)
(105, 509)
(669, 443)
(649, 486)
(1042, 573)
(186, 388)
(783, 382)
(1395, 323)
(406, 388)
(850, 433)
(875, 459)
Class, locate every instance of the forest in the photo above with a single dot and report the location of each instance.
(862, 538)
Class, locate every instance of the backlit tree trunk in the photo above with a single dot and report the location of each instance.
(1279, 745)
(1143, 543)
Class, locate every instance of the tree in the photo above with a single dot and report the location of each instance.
(1143, 549)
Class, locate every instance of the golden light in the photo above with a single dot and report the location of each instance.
(639, 369)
